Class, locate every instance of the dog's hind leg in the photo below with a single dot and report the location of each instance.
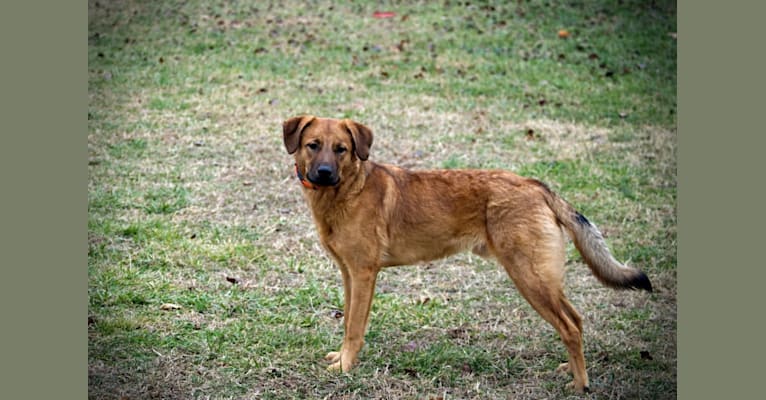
(535, 261)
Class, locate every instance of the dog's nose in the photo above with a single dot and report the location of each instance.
(324, 171)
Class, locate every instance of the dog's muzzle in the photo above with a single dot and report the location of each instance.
(323, 175)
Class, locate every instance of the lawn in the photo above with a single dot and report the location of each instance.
(205, 275)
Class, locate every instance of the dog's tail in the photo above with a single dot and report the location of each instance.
(592, 247)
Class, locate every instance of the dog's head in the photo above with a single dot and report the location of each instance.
(326, 150)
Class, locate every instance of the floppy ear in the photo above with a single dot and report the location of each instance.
(362, 137)
(291, 131)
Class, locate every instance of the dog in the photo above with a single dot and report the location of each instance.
(370, 216)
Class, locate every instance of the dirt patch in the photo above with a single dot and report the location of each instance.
(166, 377)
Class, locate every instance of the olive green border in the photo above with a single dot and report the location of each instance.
(721, 172)
(42, 165)
(43, 154)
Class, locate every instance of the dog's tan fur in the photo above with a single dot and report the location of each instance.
(370, 216)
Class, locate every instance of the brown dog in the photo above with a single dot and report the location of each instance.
(371, 216)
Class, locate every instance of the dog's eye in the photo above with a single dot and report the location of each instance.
(313, 146)
(340, 149)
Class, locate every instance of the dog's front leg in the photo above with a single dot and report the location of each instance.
(360, 288)
(334, 356)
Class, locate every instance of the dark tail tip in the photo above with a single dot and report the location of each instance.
(640, 281)
(581, 219)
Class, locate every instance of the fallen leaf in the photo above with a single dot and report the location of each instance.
(383, 14)
(410, 347)
(170, 307)
(563, 34)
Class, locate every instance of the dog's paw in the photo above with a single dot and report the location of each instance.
(335, 367)
(332, 356)
(580, 389)
(563, 368)
(342, 363)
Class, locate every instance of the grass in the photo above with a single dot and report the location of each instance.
(192, 202)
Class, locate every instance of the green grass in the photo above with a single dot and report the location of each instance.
(191, 199)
